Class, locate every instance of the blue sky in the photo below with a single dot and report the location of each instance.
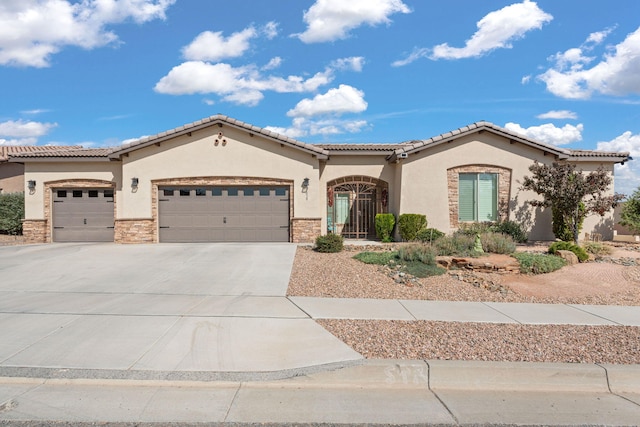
(103, 72)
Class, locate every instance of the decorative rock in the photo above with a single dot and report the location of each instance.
(568, 256)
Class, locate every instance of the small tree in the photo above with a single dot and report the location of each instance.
(565, 190)
(630, 215)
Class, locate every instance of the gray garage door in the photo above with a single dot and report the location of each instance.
(224, 214)
(83, 215)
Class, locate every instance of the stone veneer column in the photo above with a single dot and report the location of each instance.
(34, 230)
(134, 230)
(305, 230)
(504, 189)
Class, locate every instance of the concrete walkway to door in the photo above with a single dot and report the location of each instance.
(165, 308)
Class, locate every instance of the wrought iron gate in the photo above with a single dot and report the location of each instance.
(353, 203)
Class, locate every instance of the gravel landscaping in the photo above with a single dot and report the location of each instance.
(614, 280)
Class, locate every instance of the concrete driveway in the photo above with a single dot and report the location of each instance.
(162, 307)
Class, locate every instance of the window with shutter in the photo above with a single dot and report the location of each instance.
(477, 197)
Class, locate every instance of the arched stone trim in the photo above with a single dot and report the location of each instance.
(504, 189)
(50, 186)
(374, 196)
(216, 181)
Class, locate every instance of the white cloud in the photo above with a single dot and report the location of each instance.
(301, 127)
(416, 54)
(329, 20)
(210, 46)
(558, 114)
(344, 99)
(20, 132)
(273, 63)
(242, 85)
(270, 30)
(549, 133)
(353, 63)
(525, 80)
(627, 176)
(616, 74)
(31, 31)
(321, 115)
(497, 30)
(35, 111)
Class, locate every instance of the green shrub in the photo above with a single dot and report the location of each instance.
(456, 244)
(597, 248)
(429, 235)
(329, 243)
(513, 229)
(538, 263)
(569, 246)
(410, 224)
(378, 258)
(11, 213)
(473, 228)
(425, 254)
(497, 243)
(384, 226)
(420, 269)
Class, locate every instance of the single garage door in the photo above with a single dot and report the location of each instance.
(83, 215)
(224, 214)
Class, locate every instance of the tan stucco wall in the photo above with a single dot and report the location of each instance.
(206, 154)
(424, 182)
(11, 177)
(44, 172)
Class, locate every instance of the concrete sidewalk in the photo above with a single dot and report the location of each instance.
(383, 392)
(460, 311)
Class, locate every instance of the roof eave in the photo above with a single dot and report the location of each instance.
(188, 129)
(60, 159)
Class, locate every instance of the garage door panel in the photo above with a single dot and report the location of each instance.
(83, 215)
(216, 214)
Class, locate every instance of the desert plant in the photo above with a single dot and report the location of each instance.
(497, 243)
(420, 269)
(378, 258)
(473, 228)
(513, 229)
(597, 248)
(426, 254)
(569, 246)
(410, 224)
(456, 244)
(429, 235)
(538, 263)
(11, 213)
(329, 243)
(384, 224)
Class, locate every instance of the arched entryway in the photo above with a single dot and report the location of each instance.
(352, 205)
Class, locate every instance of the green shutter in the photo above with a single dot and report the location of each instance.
(342, 207)
(487, 197)
(466, 197)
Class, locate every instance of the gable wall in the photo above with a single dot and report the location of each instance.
(207, 154)
(425, 183)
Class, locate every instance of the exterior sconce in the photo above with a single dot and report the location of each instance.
(31, 184)
(134, 182)
(305, 184)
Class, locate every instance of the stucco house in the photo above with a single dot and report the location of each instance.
(220, 179)
(12, 173)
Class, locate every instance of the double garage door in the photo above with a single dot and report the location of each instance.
(83, 215)
(223, 214)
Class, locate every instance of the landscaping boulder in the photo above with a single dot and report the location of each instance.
(568, 256)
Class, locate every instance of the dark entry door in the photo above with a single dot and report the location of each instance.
(83, 215)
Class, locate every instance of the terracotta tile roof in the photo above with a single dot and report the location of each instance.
(64, 152)
(561, 153)
(7, 151)
(210, 121)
